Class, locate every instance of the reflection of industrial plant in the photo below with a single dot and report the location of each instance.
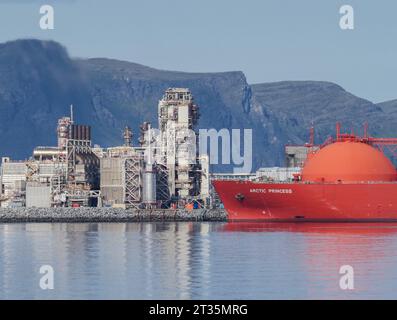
(76, 174)
(126, 260)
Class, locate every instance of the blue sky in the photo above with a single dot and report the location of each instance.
(269, 40)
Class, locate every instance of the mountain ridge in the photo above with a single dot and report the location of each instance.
(39, 80)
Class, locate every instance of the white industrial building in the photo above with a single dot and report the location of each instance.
(166, 168)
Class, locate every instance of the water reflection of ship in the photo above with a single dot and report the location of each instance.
(328, 228)
(318, 250)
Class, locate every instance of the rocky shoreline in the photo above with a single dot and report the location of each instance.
(15, 215)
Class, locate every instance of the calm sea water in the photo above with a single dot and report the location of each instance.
(198, 260)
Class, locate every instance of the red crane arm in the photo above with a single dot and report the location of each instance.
(383, 141)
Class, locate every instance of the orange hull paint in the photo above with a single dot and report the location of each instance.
(308, 202)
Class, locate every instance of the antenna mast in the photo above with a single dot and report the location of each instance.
(71, 113)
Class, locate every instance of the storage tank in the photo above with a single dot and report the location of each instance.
(149, 185)
(349, 161)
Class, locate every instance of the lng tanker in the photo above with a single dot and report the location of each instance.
(349, 178)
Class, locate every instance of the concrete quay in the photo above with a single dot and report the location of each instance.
(84, 214)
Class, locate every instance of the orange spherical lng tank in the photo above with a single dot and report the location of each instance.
(348, 161)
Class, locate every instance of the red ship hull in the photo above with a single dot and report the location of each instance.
(246, 200)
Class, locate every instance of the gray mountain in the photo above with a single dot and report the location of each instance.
(38, 82)
(296, 105)
(389, 107)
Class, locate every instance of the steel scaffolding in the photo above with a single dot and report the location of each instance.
(132, 181)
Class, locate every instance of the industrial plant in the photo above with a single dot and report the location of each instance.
(64, 175)
(162, 172)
